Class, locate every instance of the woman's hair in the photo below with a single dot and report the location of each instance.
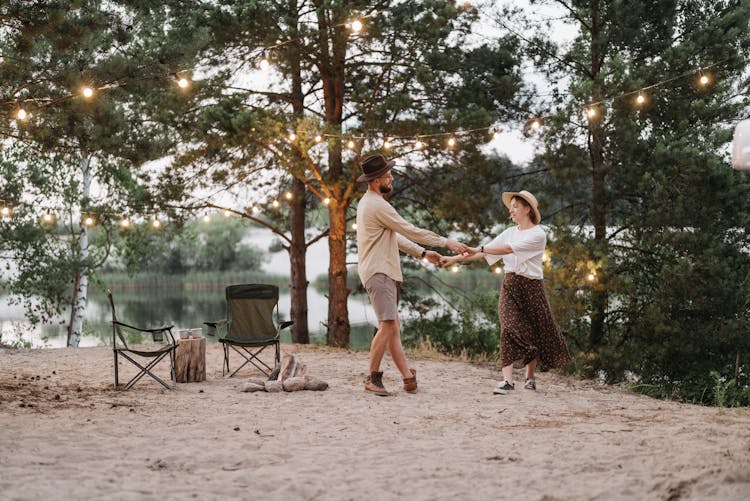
(522, 201)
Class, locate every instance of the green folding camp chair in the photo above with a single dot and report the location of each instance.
(154, 356)
(249, 327)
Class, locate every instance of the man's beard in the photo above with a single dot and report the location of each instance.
(385, 189)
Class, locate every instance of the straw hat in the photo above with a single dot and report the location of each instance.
(531, 199)
(374, 167)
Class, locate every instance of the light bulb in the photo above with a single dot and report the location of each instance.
(264, 63)
(704, 80)
(326, 200)
(591, 112)
(87, 92)
(495, 134)
(591, 277)
(292, 136)
(288, 195)
(350, 144)
(5, 211)
(206, 218)
(354, 226)
(386, 144)
(356, 26)
(125, 222)
(275, 204)
(452, 142)
(89, 221)
(255, 209)
(454, 268)
(318, 138)
(21, 114)
(48, 217)
(419, 144)
(183, 83)
(498, 270)
(535, 124)
(227, 213)
(640, 99)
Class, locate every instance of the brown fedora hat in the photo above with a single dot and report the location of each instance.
(373, 167)
(530, 199)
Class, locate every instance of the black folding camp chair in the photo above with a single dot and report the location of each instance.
(153, 356)
(249, 327)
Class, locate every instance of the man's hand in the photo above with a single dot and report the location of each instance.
(446, 261)
(433, 257)
(456, 247)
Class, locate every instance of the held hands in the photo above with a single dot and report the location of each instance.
(433, 257)
(457, 247)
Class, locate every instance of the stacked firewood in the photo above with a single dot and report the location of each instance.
(291, 375)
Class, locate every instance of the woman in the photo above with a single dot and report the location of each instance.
(528, 331)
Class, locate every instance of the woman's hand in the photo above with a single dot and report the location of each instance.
(449, 260)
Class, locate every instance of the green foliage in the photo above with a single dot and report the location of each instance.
(463, 325)
(645, 198)
(197, 246)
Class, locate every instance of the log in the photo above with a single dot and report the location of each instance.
(294, 384)
(288, 367)
(190, 360)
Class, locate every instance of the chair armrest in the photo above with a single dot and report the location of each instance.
(286, 324)
(156, 334)
(214, 326)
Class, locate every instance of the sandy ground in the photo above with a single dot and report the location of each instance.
(66, 434)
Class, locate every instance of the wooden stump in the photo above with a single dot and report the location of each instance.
(190, 361)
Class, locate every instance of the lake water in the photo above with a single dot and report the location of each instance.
(188, 308)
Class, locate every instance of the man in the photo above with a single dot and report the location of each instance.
(381, 233)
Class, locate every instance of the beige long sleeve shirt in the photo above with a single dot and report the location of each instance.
(381, 233)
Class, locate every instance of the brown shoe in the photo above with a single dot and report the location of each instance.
(410, 383)
(374, 384)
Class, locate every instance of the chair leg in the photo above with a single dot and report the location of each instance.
(116, 380)
(146, 370)
(172, 357)
(225, 364)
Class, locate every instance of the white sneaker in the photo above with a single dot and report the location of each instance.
(503, 387)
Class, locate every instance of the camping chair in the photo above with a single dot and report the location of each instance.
(156, 355)
(249, 327)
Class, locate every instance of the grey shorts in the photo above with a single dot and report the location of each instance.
(384, 295)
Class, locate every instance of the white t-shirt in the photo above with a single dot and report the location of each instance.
(528, 251)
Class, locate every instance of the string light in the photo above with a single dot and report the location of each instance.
(182, 82)
(454, 268)
(227, 213)
(386, 144)
(87, 92)
(419, 144)
(88, 221)
(494, 134)
(536, 124)
(356, 26)
(354, 226)
(48, 217)
(255, 209)
(5, 211)
(21, 113)
(591, 277)
(156, 223)
(451, 142)
(318, 138)
(704, 79)
(288, 195)
(350, 144)
(591, 112)
(125, 223)
(264, 64)
(292, 136)
(275, 204)
(498, 270)
(640, 99)
(326, 200)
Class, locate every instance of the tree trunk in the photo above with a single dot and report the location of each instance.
(599, 297)
(298, 263)
(338, 293)
(81, 292)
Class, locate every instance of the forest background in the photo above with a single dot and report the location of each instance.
(124, 124)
